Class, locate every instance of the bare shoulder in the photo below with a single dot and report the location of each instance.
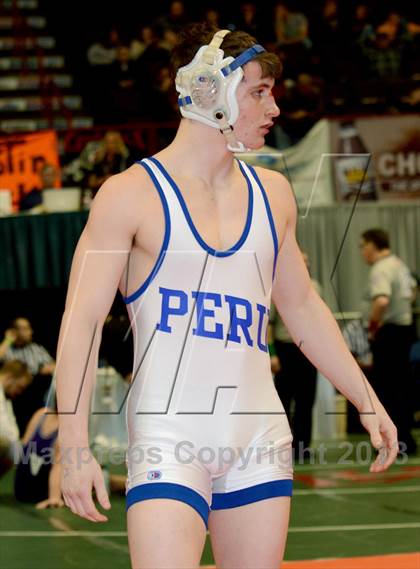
(123, 189)
(121, 200)
(278, 189)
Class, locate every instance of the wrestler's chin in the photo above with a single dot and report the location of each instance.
(256, 144)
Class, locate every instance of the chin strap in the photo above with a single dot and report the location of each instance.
(233, 144)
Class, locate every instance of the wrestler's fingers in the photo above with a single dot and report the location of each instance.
(89, 509)
(86, 508)
(100, 490)
(387, 451)
(69, 503)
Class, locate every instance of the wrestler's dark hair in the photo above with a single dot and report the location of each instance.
(378, 237)
(193, 36)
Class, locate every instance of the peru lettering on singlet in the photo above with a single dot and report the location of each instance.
(175, 304)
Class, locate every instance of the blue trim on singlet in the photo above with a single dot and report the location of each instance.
(190, 222)
(252, 494)
(172, 491)
(162, 253)
(270, 216)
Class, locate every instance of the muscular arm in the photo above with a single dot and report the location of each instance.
(98, 265)
(314, 329)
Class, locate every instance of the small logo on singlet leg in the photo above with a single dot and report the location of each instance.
(154, 475)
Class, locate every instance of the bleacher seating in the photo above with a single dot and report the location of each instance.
(36, 89)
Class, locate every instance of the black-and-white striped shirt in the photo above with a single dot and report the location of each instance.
(33, 355)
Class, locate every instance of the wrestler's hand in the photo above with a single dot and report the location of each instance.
(80, 474)
(383, 435)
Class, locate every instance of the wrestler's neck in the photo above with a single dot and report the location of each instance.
(198, 151)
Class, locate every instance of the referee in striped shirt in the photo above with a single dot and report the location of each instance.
(18, 345)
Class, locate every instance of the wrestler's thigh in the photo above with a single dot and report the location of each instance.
(165, 534)
(252, 536)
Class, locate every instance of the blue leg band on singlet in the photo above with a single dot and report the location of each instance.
(253, 494)
(171, 491)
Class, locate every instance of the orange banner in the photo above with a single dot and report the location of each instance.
(22, 157)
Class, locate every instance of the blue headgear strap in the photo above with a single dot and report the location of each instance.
(182, 101)
(246, 56)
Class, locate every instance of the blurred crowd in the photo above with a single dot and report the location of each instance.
(336, 59)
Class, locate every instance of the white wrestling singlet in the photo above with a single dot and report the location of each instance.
(205, 423)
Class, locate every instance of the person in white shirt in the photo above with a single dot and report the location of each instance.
(389, 296)
(14, 378)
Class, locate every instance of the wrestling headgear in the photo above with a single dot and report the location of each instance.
(207, 87)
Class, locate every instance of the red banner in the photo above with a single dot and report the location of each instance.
(22, 157)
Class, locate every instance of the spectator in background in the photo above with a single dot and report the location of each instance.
(49, 175)
(18, 345)
(175, 19)
(78, 170)
(388, 311)
(301, 109)
(360, 26)
(212, 17)
(14, 379)
(104, 50)
(329, 27)
(295, 380)
(122, 86)
(166, 103)
(291, 32)
(146, 36)
(169, 39)
(402, 33)
(395, 27)
(110, 158)
(382, 55)
(152, 71)
(122, 69)
(248, 18)
(291, 28)
(328, 39)
(37, 476)
(101, 55)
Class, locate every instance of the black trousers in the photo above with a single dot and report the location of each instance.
(296, 383)
(392, 379)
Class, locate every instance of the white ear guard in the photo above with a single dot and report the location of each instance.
(207, 87)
